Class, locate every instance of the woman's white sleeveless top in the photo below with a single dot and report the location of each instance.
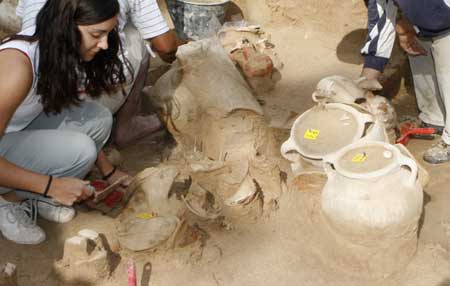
(31, 107)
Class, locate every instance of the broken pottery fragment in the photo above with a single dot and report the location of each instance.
(340, 89)
(202, 202)
(250, 48)
(337, 89)
(157, 185)
(252, 210)
(85, 256)
(206, 165)
(218, 125)
(153, 187)
(383, 111)
(234, 34)
(151, 217)
(89, 234)
(144, 233)
(245, 194)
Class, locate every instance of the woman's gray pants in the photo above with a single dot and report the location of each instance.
(62, 145)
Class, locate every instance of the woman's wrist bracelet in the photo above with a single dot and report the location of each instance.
(107, 176)
(47, 188)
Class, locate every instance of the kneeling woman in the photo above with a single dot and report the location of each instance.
(49, 137)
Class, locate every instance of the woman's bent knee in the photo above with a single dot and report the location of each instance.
(82, 153)
(100, 124)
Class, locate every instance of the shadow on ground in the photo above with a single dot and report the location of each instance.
(446, 282)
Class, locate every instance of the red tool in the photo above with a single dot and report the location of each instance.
(103, 191)
(407, 131)
(131, 271)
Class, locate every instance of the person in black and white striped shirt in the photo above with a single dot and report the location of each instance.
(138, 20)
(423, 30)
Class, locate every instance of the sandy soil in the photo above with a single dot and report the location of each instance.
(289, 247)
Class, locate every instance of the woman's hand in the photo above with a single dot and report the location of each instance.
(67, 190)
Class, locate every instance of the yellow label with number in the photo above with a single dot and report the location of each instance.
(311, 134)
(145, 215)
(359, 158)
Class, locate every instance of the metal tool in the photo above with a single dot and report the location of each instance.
(102, 194)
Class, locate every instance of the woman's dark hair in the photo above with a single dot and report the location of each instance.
(61, 70)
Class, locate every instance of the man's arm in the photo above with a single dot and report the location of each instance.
(147, 17)
(166, 45)
(381, 37)
(408, 38)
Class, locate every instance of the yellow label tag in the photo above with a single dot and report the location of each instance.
(311, 134)
(359, 158)
(145, 215)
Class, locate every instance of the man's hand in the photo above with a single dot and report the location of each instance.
(67, 190)
(410, 44)
(166, 45)
(370, 74)
(408, 39)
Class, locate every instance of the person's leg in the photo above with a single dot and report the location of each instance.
(441, 54)
(129, 125)
(90, 118)
(58, 153)
(426, 87)
(440, 153)
(53, 152)
(63, 145)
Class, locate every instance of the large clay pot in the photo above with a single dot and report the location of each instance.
(323, 130)
(371, 186)
(372, 201)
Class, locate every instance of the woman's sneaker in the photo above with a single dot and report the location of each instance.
(54, 212)
(16, 224)
(438, 153)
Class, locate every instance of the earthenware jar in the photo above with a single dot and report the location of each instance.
(324, 129)
(372, 189)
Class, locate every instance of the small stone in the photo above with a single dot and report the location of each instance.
(8, 275)
(89, 234)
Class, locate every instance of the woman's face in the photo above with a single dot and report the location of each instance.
(95, 38)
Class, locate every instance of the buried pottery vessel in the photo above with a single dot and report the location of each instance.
(373, 201)
(220, 129)
(324, 129)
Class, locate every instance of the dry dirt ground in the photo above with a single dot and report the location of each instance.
(314, 39)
